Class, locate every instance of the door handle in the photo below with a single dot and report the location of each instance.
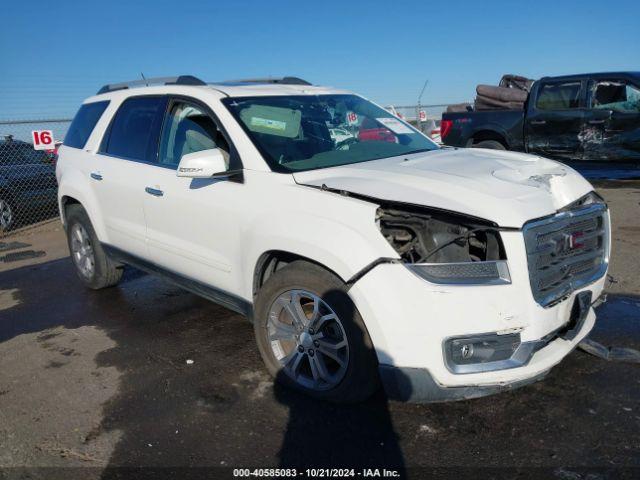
(96, 176)
(538, 122)
(596, 122)
(154, 191)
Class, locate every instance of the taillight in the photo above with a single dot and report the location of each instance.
(445, 128)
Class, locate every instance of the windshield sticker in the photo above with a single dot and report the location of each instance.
(395, 125)
(268, 123)
(352, 118)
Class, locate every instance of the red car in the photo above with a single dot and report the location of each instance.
(372, 131)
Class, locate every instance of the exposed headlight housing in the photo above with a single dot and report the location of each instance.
(469, 273)
(444, 247)
(588, 199)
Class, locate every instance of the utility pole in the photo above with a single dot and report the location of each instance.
(419, 121)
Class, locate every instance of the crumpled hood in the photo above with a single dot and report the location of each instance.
(507, 188)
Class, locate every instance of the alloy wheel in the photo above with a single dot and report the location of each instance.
(82, 251)
(308, 340)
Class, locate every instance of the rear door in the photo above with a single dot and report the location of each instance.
(121, 169)
(555, 119)
(612, 130)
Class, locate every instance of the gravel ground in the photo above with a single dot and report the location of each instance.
(101, 379)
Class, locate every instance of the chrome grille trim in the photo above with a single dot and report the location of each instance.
(556, 266)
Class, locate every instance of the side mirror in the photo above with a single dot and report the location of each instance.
(203, 164)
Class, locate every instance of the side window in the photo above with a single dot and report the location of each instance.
(135, 129)
(187, 130)
(559, 96)
(83, 124)
(615, 95)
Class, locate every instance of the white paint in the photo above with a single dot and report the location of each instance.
(215, 230)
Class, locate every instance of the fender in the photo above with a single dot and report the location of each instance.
(73, 183)
(345, 242)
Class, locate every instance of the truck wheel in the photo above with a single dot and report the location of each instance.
(93, 266)
(7, 216)
(311, 336)
(492, 144)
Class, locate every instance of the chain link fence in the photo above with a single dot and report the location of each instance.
(28, 188)
(428, 122)
(411, 112)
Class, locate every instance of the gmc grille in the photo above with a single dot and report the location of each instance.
(566, 251)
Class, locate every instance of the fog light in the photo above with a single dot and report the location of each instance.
(466, 350)
(480, 353)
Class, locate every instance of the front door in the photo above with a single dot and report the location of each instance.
(612, 130)
(192, 227)
(554, 123)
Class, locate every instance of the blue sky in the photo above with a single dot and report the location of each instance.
(54, 54)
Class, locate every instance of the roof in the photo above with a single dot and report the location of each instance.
(593, 75)
(234, 88)
(266, 89)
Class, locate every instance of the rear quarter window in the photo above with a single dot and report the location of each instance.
(83, 124)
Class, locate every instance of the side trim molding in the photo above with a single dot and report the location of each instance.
(225, 299)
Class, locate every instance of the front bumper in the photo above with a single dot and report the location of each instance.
(417, 385)
(408, 320)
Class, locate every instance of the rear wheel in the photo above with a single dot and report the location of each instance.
(93, 266)
(311, 337)
(491, 144)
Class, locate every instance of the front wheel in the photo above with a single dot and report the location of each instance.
(311, 336)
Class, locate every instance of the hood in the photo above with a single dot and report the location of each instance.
(507, 188)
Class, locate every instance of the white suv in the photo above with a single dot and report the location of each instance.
(369, 257)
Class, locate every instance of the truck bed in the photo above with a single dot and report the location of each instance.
(468, 128)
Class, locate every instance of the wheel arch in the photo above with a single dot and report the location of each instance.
(273, 260)
(74, 189)
(65, 202)
(488, 134)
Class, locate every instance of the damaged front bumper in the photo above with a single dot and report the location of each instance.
(410, 320)
(418, 385)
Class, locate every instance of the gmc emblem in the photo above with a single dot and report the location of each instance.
(572, 240)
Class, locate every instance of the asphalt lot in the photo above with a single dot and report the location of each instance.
(101, 379)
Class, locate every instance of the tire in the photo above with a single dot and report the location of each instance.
(7, 214)
(491, 144)
(105, 272)
(353, 381)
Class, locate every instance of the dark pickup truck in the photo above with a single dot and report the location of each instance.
(577, 117)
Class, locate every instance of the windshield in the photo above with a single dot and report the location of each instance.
(296, 133)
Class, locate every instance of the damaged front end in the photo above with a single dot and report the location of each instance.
(445, 247)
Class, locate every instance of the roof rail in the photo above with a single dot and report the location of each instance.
(181, 80)
(282, 81)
